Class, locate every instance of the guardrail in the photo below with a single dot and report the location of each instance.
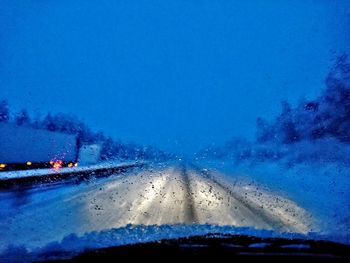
(74, 176)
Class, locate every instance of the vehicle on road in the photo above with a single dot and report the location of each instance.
(28, 148)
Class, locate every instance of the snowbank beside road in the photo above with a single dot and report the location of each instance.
(321, 189)
(65, 170)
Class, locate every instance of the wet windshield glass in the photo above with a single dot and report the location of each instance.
(131, 121)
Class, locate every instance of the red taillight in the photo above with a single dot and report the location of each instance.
(56, 164)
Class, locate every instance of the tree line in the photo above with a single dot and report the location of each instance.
(325, 116)
(70, 124)
(313, 129)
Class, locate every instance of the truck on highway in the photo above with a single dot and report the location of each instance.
(24, 147)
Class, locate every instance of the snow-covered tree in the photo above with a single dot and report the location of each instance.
(22, 118)
(264, 130)
(48, 123)
(4, 111)
(326, 116)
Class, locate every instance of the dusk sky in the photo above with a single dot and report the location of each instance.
(179, 75)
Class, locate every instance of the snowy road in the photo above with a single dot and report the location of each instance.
(171, 194)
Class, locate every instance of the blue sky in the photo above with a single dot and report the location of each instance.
(176, 74)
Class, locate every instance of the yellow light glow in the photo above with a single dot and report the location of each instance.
(29, 163)
(70, 165)
(56, 166)
(2, 165)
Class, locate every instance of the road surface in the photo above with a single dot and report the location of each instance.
(168, 194)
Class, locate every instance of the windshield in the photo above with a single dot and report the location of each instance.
(131, 121)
